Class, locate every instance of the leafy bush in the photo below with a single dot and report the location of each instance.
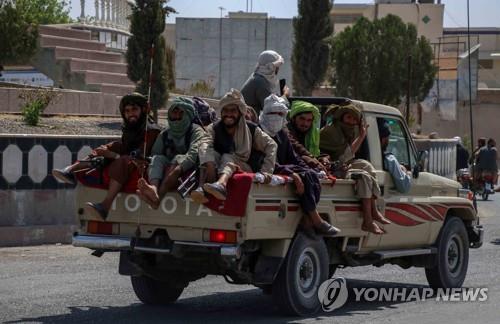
(201, 88)
(35, 102)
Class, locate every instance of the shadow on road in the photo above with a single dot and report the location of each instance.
(249, 305)
(495, 241)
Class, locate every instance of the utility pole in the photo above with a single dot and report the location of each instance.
(408, 92)
(220, 50)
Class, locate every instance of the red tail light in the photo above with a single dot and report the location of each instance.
(221, 236)
(105, 228)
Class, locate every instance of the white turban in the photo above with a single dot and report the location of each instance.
(267, 64)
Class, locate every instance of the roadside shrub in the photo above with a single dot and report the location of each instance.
(201, 88)
(34, 103)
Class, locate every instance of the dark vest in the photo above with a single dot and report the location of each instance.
(224, 144)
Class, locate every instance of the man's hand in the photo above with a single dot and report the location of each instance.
(298, 184)
(267, 177)
(363, 129)
(403, 168)
(104, 152)
(286, 91)
(318, 165)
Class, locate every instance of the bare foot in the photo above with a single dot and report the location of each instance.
(380, 218)
(372, 228)
(154, 205)
(148, 192)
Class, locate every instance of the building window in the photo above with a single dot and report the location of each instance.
(114, 37)
(486, 64)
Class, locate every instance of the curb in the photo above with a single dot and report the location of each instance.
(36, 235)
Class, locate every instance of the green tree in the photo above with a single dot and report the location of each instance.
(147, 24)
(310, 54)
(19, 22)
(370, 61)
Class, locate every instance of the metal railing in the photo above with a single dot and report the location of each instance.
(106, 13)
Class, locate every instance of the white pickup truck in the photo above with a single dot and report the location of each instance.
(254, 238)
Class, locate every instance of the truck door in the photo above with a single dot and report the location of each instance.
(411, 221)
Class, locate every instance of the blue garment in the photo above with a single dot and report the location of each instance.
(402, 180)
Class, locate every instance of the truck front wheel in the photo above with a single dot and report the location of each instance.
(452, 257)
(156, 292)
(295, 288)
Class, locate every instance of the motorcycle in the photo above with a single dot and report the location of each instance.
(484, 185)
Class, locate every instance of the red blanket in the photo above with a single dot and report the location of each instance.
(238, 190)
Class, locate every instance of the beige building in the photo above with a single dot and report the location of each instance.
(426, 15)
(489, 51)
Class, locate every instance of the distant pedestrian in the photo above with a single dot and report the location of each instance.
(462, 155)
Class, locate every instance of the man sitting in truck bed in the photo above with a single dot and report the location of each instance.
(303, 133)
(234, 143)
(340, 141)
(175, 152)
(117, 154)
(272, 121)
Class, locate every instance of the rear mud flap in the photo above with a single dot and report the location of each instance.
(127, 267)
(266, 269)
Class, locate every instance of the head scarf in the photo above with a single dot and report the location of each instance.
(272, 124)
(312, 136)
(266, 66)
(177, 129)
(337, 136)
(242, 137)
(458, 139)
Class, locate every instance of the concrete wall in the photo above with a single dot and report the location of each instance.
(35, 207)
(198, 55)
(70, 102)
(485, 116)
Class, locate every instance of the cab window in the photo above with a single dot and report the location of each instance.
(399, 143)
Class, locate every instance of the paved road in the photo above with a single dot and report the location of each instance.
(62, 284)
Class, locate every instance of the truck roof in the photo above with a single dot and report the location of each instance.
(366, 106)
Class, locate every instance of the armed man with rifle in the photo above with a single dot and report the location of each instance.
(122, 156)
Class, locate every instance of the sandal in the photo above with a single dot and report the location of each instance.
(96, 210)
(327, 229)
(64, 175)
(216, 189)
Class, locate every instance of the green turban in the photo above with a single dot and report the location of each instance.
(312, 136)
(178, 128)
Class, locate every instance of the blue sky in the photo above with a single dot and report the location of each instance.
(483, 13)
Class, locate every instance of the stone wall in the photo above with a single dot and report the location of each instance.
(71, 102)
(35, 207)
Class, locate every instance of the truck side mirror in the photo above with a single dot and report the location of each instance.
(421, 165)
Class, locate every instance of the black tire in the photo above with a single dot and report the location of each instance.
(295, 289)
(452, 257)
(155, 292)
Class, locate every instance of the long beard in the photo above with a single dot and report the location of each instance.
(133, 134)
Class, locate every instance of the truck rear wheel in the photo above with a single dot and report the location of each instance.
(156, 292)
(295, 288)
(452, 256)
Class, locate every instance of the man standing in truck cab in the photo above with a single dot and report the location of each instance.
(399, 174)
(234, 143)
(342, 138)
(174, 153)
